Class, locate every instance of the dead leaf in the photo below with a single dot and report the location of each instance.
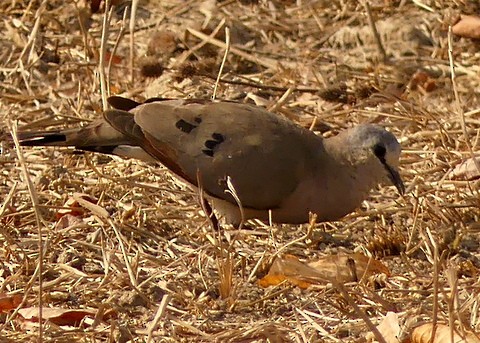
(341, 268)
(388, 327)
(288, 268)
(70, 207)
(349, 267)
(9, 302)
(467, 169)
(422, 334)
(90, 204)
(162, 44)
(77, 204)
(116, 59)
(67, 220)
(59, 316)
(422, 79)
(95, 4)
(468, 26)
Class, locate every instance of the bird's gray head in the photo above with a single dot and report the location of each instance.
(373, 144)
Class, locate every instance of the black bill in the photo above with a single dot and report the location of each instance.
(394, 176)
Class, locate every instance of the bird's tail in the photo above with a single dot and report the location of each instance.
(97, 137)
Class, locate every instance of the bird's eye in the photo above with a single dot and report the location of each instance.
(379, 151)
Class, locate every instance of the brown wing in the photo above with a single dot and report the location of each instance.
(264, 155)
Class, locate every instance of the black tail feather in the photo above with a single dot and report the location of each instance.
(108, 150)
(41, 138)
(121, 103)
(125, 104)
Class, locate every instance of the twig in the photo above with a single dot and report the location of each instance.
(34, 32)
(30, 46)
(131, 274)
(104, 88)
(378, 40)
(433, 244)
(265, 62)
(133, 13)
(311, 226)
(423, 6)
(459, 108)
(38, 219)
(227, 49)
(283, 99)
(185, 55)
(117, 43)
(358, 311)
(160, 313)
(231, 190)
(3, 207)
(262, 86)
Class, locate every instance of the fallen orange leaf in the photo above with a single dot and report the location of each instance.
(288, 268)
(443, 333)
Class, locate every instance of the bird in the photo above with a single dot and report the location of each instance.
(250, 163)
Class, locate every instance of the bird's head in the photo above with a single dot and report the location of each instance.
(375, 146)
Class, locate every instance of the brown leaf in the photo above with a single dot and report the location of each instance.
(116, 59)
(388, 327)
(341, 268)
(162, 44)
(95, 5)
(422, 79)
(9, 302)
(90, 204)
(67, 220)
(348, 267)
(77, 204)
(467, 170)
(71, 207)
(422, 334)
(288, 268)
(59, 316)
(468, 26)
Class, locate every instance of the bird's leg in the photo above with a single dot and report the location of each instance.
(207, 208)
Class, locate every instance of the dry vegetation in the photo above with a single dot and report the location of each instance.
(146, 259)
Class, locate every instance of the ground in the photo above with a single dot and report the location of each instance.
(130, 243)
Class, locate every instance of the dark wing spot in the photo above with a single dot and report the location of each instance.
(218, 137)
(185, 126)
(211, 144)
(208, 152)
(198, 120)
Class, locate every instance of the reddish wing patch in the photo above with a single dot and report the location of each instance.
(124, 122)
(165, 155)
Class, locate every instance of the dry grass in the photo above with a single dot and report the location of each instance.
(154, 259)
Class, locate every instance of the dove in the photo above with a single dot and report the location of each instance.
(249, 162)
